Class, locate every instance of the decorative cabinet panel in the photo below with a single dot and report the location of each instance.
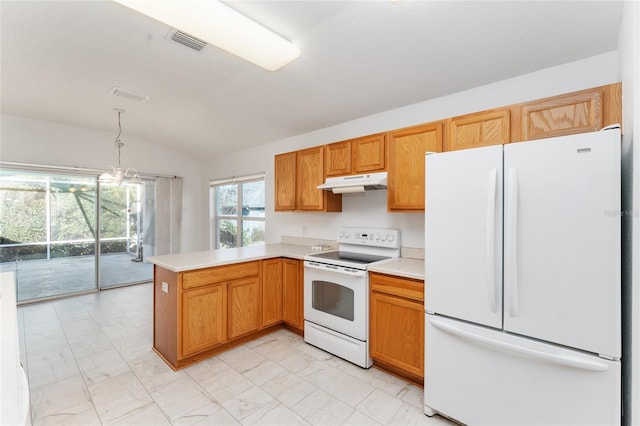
(397, 324)
(356, 156)
(204, 318)
(244, 306)
(310, 174)
(271, 292)
(292, 285)
(338, 158)
(407, 148)
(285, 181)
(577, 112)
(478, 129)
(368, 154)
(297, 176)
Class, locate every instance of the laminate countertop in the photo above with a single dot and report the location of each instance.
(209, 258)
(404, 267)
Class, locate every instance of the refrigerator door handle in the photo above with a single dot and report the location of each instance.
(565, 360)
(491, 239)
(511, 267)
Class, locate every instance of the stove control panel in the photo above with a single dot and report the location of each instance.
(375, 237)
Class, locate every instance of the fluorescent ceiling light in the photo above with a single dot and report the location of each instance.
(220, 25)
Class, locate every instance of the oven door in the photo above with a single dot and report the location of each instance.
(337, 298)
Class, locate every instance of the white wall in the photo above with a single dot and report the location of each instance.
(38, 142)
(629, 55)
(370, 208)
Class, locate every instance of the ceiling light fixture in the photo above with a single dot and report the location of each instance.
(222, 26)
(117, 174)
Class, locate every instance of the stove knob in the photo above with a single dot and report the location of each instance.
(347, 235)
(341, 235)
(390, 238)
(384, 238)
(377, 236)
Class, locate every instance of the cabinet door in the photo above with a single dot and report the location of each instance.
(578, 112)
(310, 174)
(368, 153)
(292, 293)
(397, 332)
(271, 292)
(204, 319)
(478, 129)
(407, 148)
(285, 181)
(244, 306)
(338, 158)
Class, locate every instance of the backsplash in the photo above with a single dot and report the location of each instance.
(410, 252)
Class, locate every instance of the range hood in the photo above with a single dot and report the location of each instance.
(355, 183)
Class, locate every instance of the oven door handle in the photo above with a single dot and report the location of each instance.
(334, 269)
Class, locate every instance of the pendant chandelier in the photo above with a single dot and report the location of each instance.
(118, 174)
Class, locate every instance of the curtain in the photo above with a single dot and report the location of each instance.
(168, 215)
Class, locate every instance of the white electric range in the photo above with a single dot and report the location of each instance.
(336, 291)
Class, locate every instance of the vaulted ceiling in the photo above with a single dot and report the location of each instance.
(60, 59)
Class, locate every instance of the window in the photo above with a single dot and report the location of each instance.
(237, 211)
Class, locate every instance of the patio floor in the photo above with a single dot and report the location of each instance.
(38, 279)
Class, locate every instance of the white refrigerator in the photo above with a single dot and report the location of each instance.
(523, 282)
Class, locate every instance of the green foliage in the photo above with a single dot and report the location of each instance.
(23, 217)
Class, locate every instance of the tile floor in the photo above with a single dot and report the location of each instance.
(89, 362)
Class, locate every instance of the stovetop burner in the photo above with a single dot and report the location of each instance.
(360, 258)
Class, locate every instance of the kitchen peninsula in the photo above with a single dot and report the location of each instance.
(206, 302)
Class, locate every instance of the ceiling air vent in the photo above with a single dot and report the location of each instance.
(187, 40)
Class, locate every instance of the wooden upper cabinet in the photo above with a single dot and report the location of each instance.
(285, 181)
(310, 174)
(338, 158)
(578, 112)
(478, 129)
(368, 154)
(356, 156)
(406, 180)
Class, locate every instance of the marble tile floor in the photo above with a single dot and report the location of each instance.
(89, 362)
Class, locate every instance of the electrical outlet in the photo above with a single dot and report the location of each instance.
(304, 230)
(165, 287)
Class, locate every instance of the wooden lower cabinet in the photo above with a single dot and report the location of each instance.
(245, 315)
(396, 328)
(204, 318)
(272, 298)
(202, 312)
(292, 291)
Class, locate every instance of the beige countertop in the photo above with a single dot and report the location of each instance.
(403, 267)
(209, 258)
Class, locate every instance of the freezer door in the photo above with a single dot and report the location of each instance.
(463, 245)
(562, 241)
(481, 376)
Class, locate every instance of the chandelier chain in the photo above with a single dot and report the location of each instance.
(119, 144)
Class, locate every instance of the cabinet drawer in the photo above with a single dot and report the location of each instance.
(218, 274)
(403, 287)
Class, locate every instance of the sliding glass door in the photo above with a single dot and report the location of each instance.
(48, 233)
(51, 224)
(126, 222)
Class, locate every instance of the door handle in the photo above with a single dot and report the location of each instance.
(491, 240)
(511, 267)
(565, 359)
